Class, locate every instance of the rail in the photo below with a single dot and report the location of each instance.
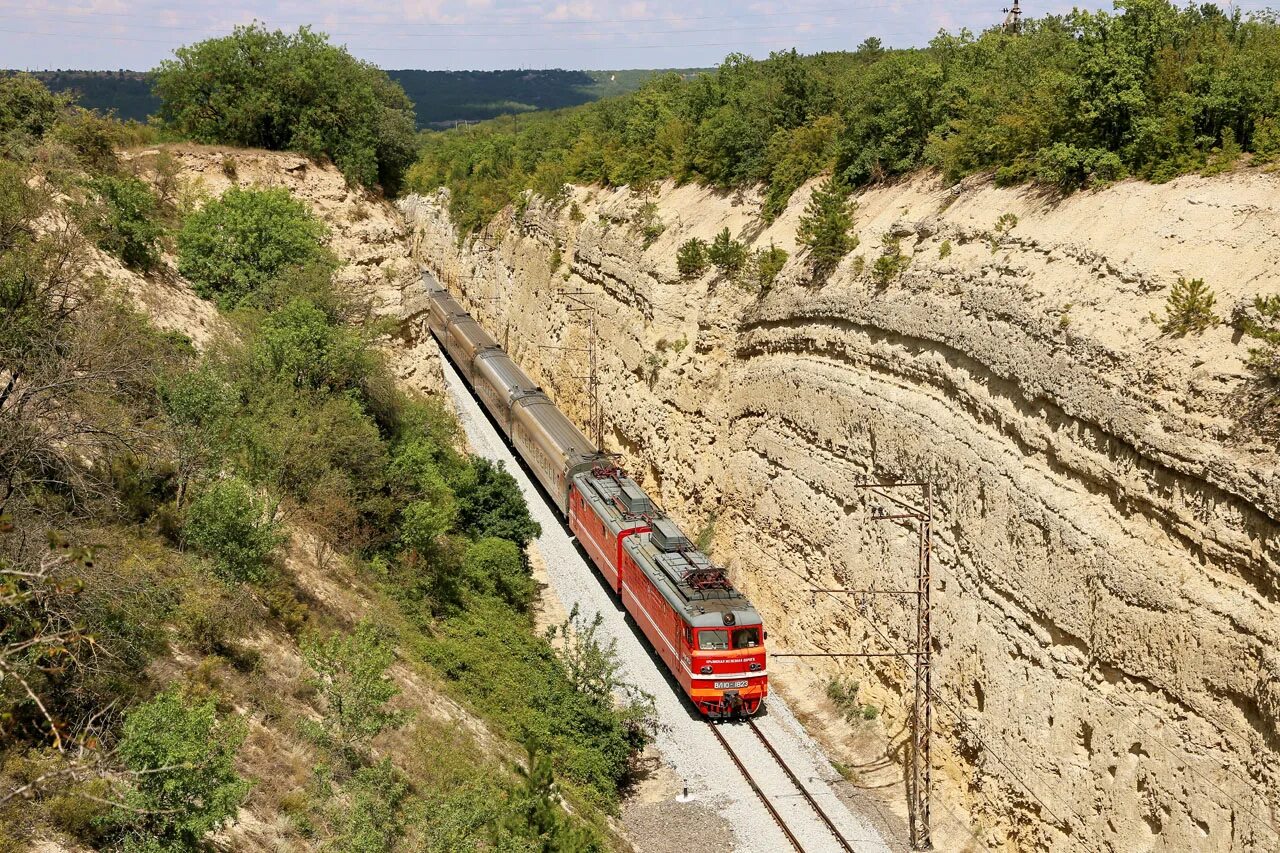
(792, 777)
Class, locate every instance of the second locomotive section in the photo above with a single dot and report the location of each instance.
(705, 631)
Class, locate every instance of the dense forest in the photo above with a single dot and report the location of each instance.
(440, 98)
(1150, 90)
(161, 502)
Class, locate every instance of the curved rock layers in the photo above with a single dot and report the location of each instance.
(1107, 544)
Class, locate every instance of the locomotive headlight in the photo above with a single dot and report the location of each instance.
(706, 669)
(755, 667)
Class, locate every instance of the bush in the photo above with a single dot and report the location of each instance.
(691, 258)
(28, 111)
(727, 254)
(1265, 359)
(184, 782)
(490, 656)
(763, 268)
(300, 346)
(891, 262)
(1189, 308)
(290, 91)
(495, 566)
(490, 504)
(229, 524)
(126, 222)
(351, 677)
(372, 818)
(825, 225)
(235, 245)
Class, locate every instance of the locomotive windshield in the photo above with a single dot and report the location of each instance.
(710, 641)
(746, 638)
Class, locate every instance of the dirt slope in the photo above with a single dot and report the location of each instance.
(369, 237)
(1108, 545)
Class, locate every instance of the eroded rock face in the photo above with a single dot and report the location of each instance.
(1107, 564)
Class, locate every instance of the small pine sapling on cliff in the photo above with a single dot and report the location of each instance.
(1264, 360)
(1189, 308)
(727, 254)
(763, 267)
(691, 258)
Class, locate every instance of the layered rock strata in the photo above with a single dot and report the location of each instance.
(1106, 496)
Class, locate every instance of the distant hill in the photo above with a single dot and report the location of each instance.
(440, 97)
(443, 97)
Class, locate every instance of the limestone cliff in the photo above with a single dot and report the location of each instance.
(1107, 536)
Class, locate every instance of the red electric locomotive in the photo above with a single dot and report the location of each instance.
(705, 631)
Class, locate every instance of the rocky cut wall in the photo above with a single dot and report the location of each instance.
(1107, 549)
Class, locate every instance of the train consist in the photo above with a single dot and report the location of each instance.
(706, 632)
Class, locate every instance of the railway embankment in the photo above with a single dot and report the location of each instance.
(1107, 512)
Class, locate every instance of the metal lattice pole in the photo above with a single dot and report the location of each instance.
(922, 719)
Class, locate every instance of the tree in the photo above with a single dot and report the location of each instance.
(27, 111)
(727, 254)
(490, 504)
(538, 816)
(232, 526)
(290, 91)
(182, 755)
(235, 245)
(691, 258)
(1189, 308)
(299, 345)
(825, 225)
(351, 676)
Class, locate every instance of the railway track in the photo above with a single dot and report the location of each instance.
(769, 800)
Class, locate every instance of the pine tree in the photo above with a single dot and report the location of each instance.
(825, 225)
(691, 258)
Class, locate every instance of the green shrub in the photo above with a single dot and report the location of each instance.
(184, 783)
(891, 262)
(350, 674)
(538, 816)
(235, 245)
(488, 654)
(490, 504)
(825, 226)
(763, 268)
(594, 671)
(944, 251)
(126, 220)
(495, 566)
(213, 620)
(299, 345)
(728, 255)
(1265, 359)
(229, 524)
(1225, 157)
(1266, 139)
(1189, 308)
(651, 227)
(28, 111)
(290, 91)
(371, 818)
(691, 258)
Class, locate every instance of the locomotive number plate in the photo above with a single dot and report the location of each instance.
(729, 685)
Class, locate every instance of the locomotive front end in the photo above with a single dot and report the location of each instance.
(728, 675)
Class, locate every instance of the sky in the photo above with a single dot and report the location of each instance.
(490, 34)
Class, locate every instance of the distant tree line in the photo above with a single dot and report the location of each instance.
(440, 98)
(1150, 90)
